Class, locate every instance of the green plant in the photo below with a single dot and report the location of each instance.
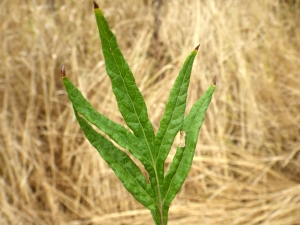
(152, 150)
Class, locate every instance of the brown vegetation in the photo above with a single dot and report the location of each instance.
(247, 164)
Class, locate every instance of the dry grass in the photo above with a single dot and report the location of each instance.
(247, 164)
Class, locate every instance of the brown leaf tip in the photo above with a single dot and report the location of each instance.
(63, 71)
(96, 6)
(215, 80)
(197, 47)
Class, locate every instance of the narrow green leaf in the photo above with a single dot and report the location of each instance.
(172, 119)
(115, 131)
(130, 100)
(183, 158)
(125, 169)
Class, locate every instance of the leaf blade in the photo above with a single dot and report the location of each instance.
(173, 117)
(130, 100)
(125, 169)
(183, 158)
(115, 131)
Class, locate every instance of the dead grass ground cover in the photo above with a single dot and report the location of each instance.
(247, 163)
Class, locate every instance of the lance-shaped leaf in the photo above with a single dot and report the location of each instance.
(130, 100)
(172, 119)
(125, 169)
(115, 131)
(183, 158)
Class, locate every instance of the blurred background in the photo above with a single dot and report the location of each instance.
(246, 168)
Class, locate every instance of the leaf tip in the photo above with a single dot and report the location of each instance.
(96, 6)
(197, 47)
(215, 80)
(63, 71)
